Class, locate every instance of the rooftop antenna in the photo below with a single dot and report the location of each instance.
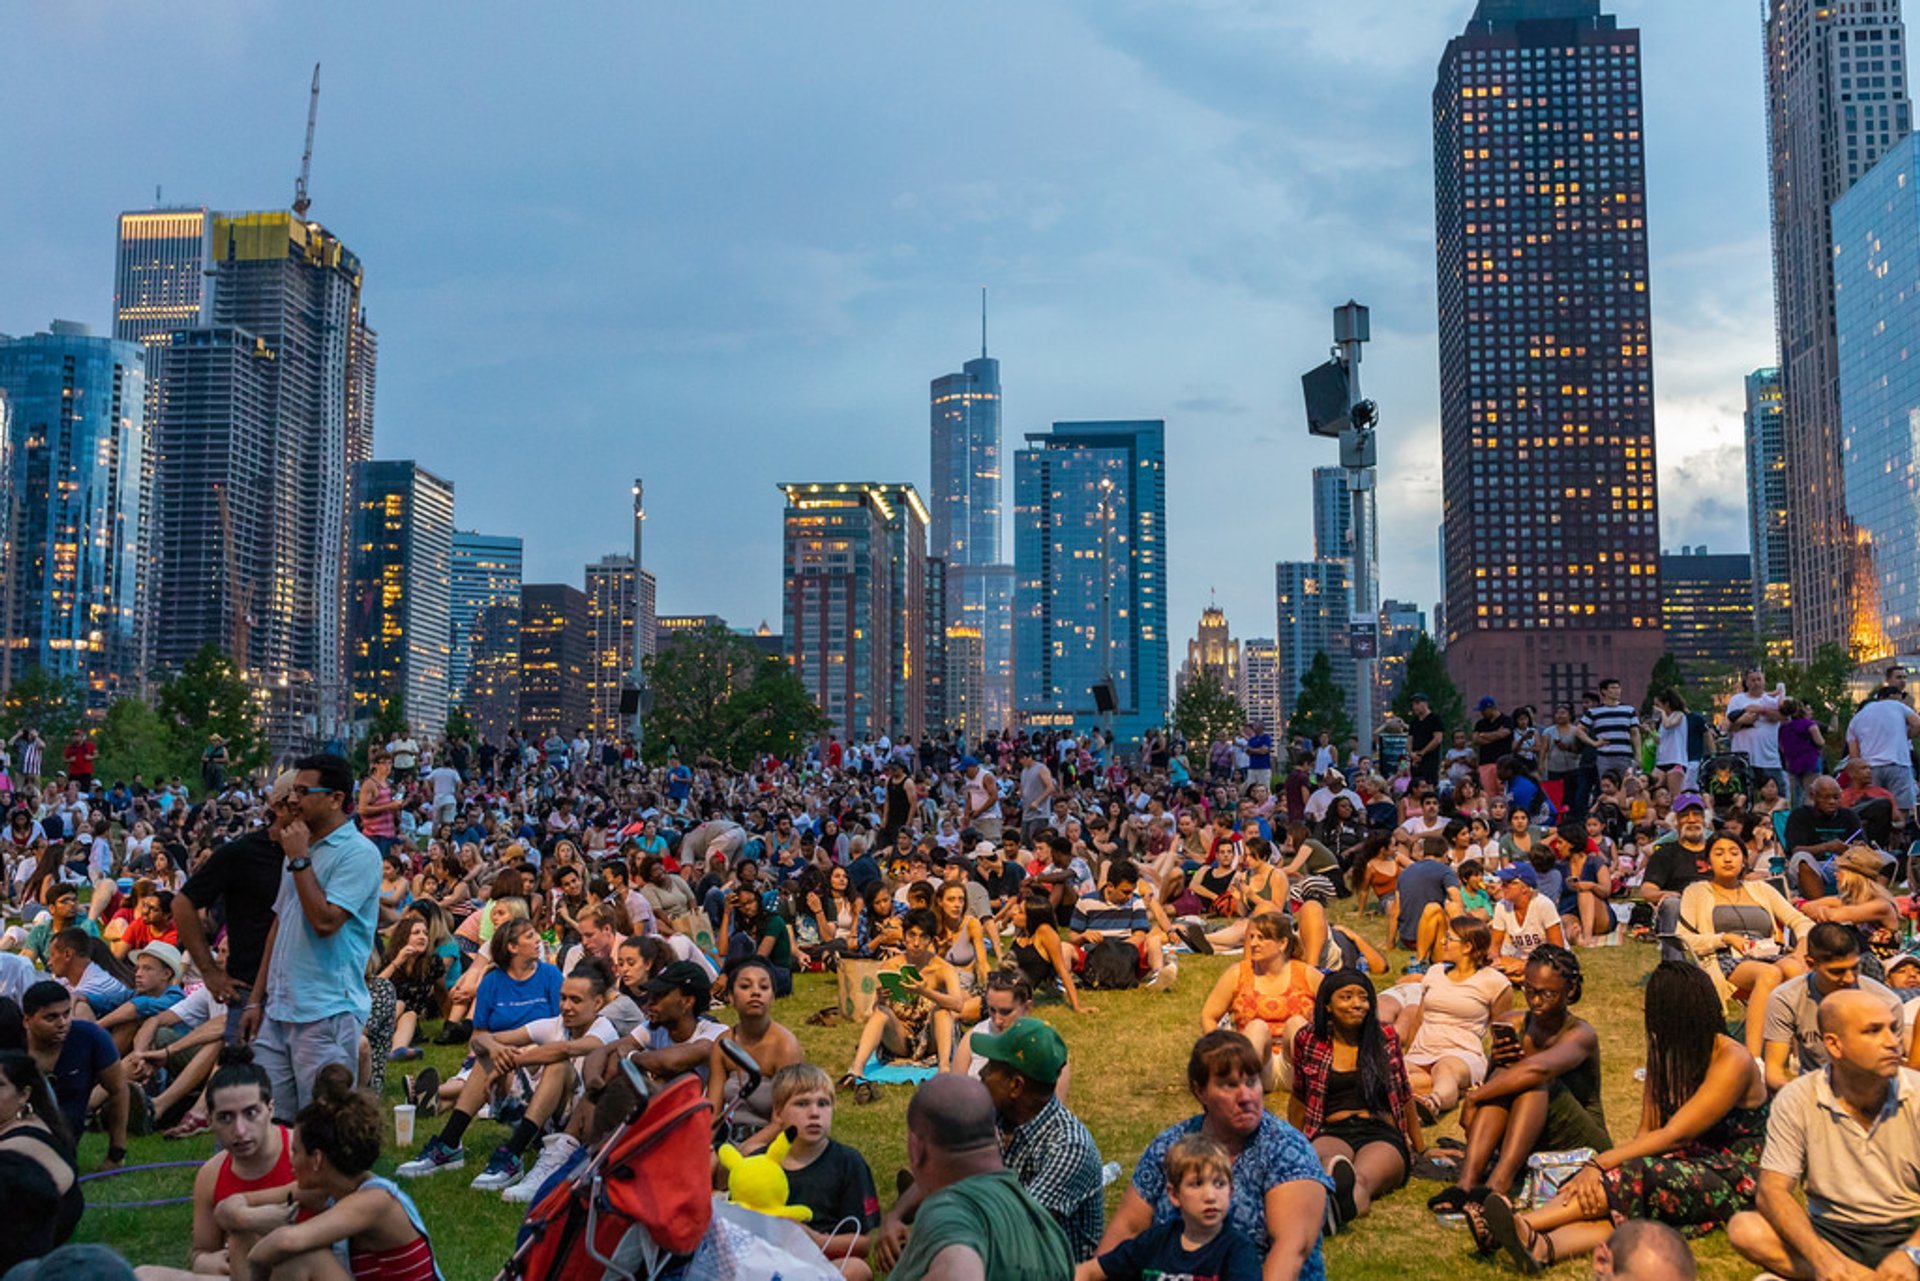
(301, 202)
(983, 322)
(156, 195)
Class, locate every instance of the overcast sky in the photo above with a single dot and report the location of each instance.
(725, 245)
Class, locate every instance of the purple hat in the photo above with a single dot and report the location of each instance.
(1689, 801)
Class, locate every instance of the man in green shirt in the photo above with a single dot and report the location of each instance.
(976, 1222)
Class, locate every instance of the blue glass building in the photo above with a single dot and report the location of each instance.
(964, 508)
(75, 597)
(1091, 497)
(1876, 278)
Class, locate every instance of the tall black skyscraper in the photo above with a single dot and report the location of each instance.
(1546, 370)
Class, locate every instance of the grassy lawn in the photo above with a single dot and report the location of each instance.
(1129, 1061)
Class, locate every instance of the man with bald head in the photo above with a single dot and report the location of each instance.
(975, 1223)
(1818, 832)
(1851, 1135)
(1644, 1250)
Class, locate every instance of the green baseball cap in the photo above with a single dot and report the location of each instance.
(1029, 1047)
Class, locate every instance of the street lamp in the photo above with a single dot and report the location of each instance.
(1105, 705)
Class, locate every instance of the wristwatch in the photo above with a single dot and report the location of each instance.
(300, 864)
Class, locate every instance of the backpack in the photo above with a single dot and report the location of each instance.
(1112, 965)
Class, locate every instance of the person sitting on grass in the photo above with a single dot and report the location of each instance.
(677, 1036)
(550, 1045)
(1693, 1163)
(1037, 950)
(255, 1155)
(63, 914)
(1280, 1192)
(1847, 1135)
(518, 988)
(156, 989)
(1428, 897)
(750, 930)
(39, 1183)
(184, 1040)
(917, 1025)
(1201, 1242)
(1351, 1097)
(1009, 999)
(1739, 927)
(1523, 920)
(1792, 1027)
(1116, 914)
(1446, 1034)
(338, 1201)
(823, 1174)
(750, 988)
(1268, 995)
(78, 1059)
(1258, 886)
(1544, 1095)
(415, 970)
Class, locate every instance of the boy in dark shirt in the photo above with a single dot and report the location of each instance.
(824, 1175)
(1200, 1244)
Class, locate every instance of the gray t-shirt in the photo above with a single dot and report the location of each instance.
(1036, 792)
(1793, 1017)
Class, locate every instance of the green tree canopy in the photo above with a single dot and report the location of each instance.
(46, 701)
(1667, 674)
(1321, 706)
(136, 740)
(715, 694)
(1204, 711)
(1427, 674)
(459, 722)
(772, 714)
(208, 697)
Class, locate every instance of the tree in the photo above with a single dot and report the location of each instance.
(692, 681)
(1321, 706)
(1427, 674)
(136, 740)
(771, 715)
(46, 701)
(208, 697)
(1205, 711)
(389, 719)
(1667, 674)
(459, 722)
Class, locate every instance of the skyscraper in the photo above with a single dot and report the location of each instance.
(484, 629)
(610, 615)
(1090, 596)
(159, 280)
(73, 408)
(1708, 612)
(1401, 626)
(1767, 511)
(1836, 102)
(854, 603)
(1876, 259)
(1260, 683)
(1312, 603)
(1213, 652)
(285, 304)
(1552, 566)
(556, 651)
(1333, 517)
(964, 518)
(402, 589)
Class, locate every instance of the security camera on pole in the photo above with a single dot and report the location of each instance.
(1336, 408)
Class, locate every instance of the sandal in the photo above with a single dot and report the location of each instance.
(1426, 1109)
(1506, 1226)
(1451, 1200)
(1475, 1213)
(194, 1124)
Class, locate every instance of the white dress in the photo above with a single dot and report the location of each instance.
(1454, 1018)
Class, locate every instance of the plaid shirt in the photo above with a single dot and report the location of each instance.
(1056, 1161)
(1313, 1060)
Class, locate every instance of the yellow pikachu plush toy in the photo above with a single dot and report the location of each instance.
(758, 1183)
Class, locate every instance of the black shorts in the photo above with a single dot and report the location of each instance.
(1358, 1131)
(1865, 1244)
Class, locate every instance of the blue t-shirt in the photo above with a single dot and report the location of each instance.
(87, 1053)
(1276, 1154)
(312, 977)
(148, 1006)
(1157, 1255)
(504, 1003)
(1259, 756)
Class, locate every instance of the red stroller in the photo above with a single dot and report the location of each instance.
(650, 1174)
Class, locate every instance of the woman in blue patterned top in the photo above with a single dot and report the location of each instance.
(1279, 1189)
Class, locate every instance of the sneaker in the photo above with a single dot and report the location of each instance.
(503, 1167)
(1341, 1206)
(555, 1151)
(433, 1158)
(1417, 967)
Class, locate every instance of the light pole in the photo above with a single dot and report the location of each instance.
(639, 674)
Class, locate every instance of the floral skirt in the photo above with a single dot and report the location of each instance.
(1698, 1186)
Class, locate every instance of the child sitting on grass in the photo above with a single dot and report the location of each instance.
(823, 1174)
(1200, 1243)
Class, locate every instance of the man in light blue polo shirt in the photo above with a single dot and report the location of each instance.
(310, 999)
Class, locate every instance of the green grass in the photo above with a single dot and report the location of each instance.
(1129, 1061)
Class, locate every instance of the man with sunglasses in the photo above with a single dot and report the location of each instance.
(310, 1000)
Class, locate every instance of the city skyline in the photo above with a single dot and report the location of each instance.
(1099, 308)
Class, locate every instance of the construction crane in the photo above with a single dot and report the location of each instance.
(238, 588)
(301, 202)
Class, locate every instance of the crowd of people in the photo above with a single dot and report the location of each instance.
(254, 960)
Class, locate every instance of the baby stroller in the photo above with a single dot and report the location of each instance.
(640, 1208)
(1728, 773)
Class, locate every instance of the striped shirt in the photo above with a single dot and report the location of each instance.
(1094, 915)
(1612, 726)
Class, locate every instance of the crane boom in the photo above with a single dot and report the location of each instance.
(301, 202)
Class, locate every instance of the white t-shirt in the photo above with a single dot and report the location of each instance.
(1523, 935)
(1879, 731)
(446, 784)
(16, 975)
(196, 1007)
(553, 1031)
(1761, 740)
(683, 949)
(1417, 827)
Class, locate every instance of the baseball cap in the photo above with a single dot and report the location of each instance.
(1899, 959)
(1689, 801)
(684, 977)
(1522, 872)
(167, 954)
(968, 762)
(1029, 1047)
(985, 849)
(1485, 703)
(1419, 698)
